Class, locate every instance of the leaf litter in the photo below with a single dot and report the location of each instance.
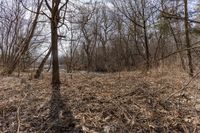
(104, 102)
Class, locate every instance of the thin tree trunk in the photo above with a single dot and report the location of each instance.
(187, 39)
(146, 46)
(40, 68)
(50, 63)
(177, 47)
(89, 62)
(145, 36)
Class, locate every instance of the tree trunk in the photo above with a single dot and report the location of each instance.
(89, 62)
(105, 57)
(57, 105)
(40, 68)
(56, 96)
(187, 39)
(145, 36)
(178, 47)
(146, 46)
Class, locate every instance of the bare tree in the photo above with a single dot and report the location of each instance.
(106, 27)
(57, 106)
(89, 33)
(24, 42)
(138, 12)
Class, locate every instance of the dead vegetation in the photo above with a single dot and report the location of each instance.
(133, 102)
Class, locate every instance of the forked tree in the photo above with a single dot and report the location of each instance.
(57, 105)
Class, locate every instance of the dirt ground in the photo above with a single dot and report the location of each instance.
(128, 102)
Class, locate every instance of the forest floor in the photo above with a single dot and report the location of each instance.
(156, 101)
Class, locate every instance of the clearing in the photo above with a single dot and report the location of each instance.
(133, 102)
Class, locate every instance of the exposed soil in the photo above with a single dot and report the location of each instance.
(104, 103)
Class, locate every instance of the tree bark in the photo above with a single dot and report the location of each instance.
(145, 37)
(40, 68)
(187, 39)
(57, 105)
(56, 96)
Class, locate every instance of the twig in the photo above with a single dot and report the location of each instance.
(48, 128)
(18, 120)
(87, 77)
(178, 51)
(18, 114)
(196, 114)
(184, 87)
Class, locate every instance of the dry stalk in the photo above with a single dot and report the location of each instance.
(18, 119)
(196, 114)
(184, 87)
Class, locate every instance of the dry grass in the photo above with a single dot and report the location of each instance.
(133, 102)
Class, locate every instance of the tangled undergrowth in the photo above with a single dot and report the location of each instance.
(104, 103)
